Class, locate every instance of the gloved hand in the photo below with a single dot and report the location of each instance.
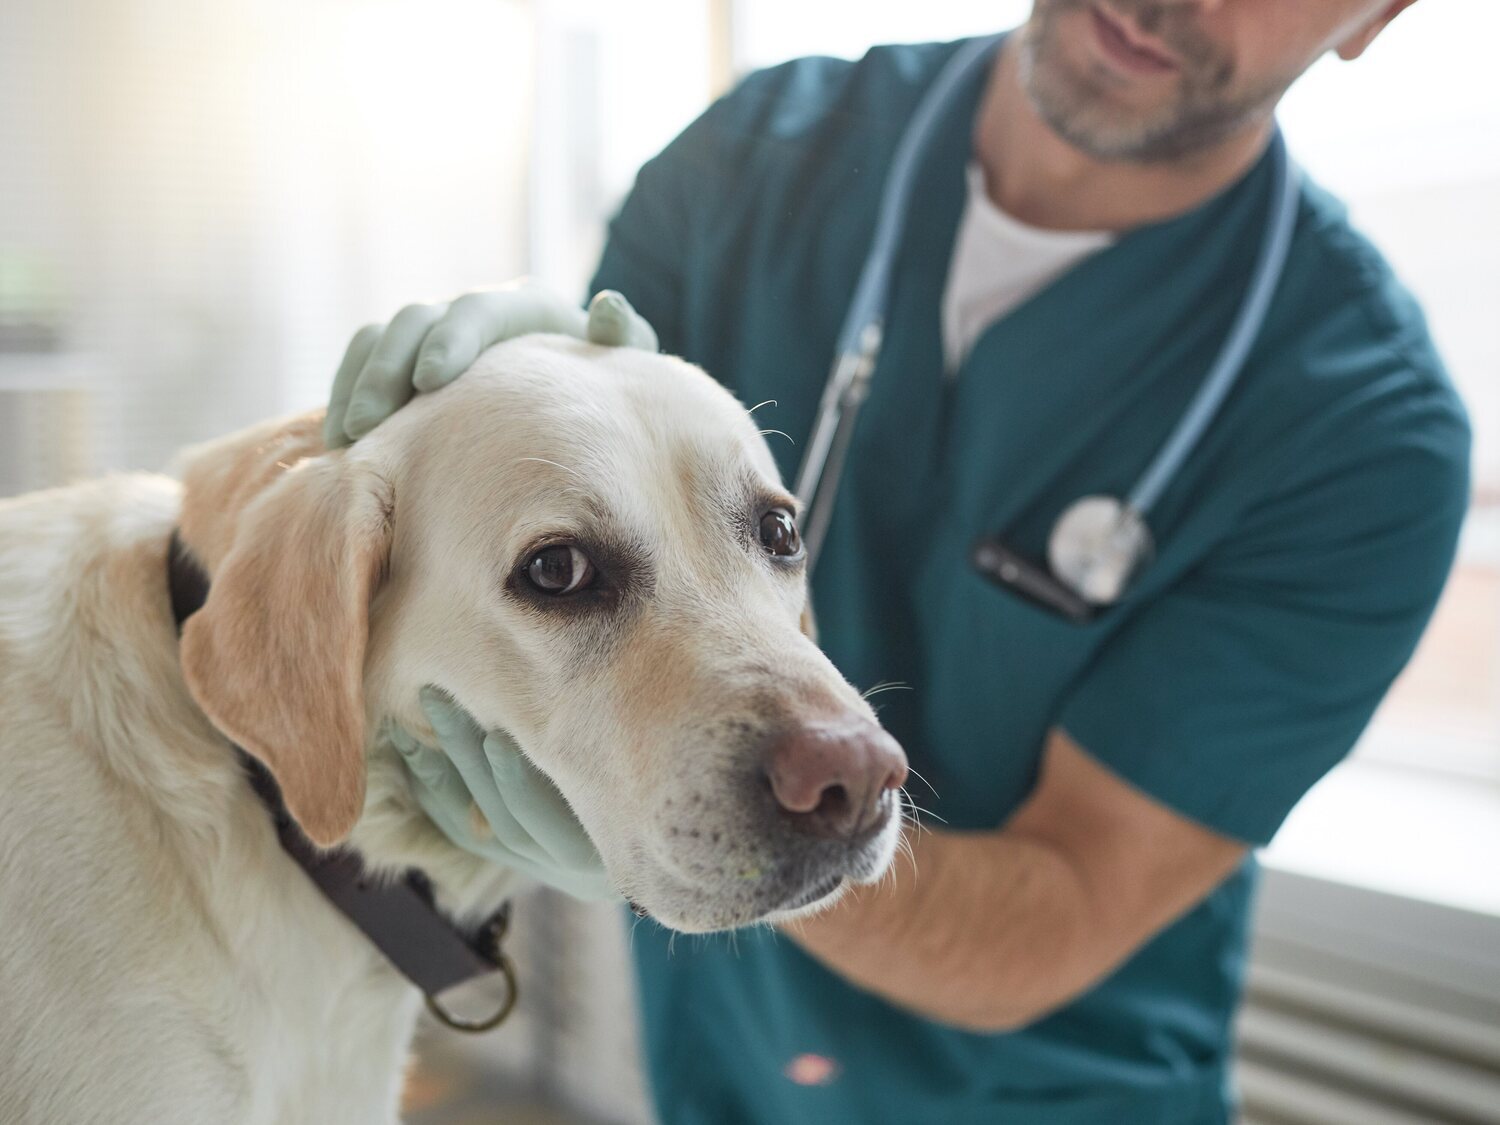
(428, 346)
(531, 828)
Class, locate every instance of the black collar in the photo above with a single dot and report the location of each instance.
(399, 917)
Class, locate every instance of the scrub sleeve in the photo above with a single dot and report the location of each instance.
(1230, 695)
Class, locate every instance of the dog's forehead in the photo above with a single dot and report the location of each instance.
(621, 408)
(632, 430)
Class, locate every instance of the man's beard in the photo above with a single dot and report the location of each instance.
(1205, 109)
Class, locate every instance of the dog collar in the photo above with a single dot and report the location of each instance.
(399, 917)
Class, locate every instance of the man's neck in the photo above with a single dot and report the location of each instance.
(1041, 179)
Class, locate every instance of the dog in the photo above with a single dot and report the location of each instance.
(588, 547)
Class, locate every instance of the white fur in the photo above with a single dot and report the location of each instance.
(161, 958)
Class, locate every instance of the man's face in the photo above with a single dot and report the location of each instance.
(1156, 80)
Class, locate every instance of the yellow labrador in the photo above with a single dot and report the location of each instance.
(161, 958)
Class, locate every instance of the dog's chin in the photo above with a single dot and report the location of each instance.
(796, 892)
(717, 917)
(812, 901)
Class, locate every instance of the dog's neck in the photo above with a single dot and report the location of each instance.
(399, 914)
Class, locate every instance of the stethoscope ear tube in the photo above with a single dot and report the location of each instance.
(1281, 221)
(858, 347)
(828, 448)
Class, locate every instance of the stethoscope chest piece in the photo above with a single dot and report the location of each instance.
(1096, 547)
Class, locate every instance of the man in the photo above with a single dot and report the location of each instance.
(1070, 947)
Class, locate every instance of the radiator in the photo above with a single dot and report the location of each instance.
(1364, 1009)
(1361, 1009)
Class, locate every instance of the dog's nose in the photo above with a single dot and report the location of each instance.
(830, 778)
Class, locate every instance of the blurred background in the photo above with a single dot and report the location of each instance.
(200, 203)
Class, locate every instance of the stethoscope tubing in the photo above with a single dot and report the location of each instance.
(823, 463)
(860, 335)
(859, 339)
(1235, 350)
(872, 293)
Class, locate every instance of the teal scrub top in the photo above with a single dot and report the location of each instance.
(1299, 554)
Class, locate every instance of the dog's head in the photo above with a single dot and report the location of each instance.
(588, 547)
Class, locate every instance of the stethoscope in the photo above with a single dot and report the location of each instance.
(1099, 543)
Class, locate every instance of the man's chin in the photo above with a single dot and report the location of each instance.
(1112, 118)
(1086, 109)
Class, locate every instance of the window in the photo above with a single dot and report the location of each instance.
(1409, 135)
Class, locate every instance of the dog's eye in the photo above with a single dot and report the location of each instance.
(560, 570)
(778, 533)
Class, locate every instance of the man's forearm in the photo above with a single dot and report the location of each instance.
(993, 929)
(986, 930)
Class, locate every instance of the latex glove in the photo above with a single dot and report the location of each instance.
(530, 827)
(428, 346)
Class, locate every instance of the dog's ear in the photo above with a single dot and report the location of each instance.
(275, 658)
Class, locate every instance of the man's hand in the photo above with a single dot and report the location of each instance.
(428, 346)
(478, 787)
(995, 929)
(522, 822)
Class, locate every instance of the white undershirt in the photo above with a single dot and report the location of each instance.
(998, 262)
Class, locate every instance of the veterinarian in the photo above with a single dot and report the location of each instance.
(1085, 218)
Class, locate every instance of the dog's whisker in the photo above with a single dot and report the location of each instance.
(630, 937)
(896, 864)
(888, 685)
(758, 405)
(911, 812)
(928, 812)
(905, 847)
(782, 433)
(907, 806)
(554, 464)
(920, 778)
